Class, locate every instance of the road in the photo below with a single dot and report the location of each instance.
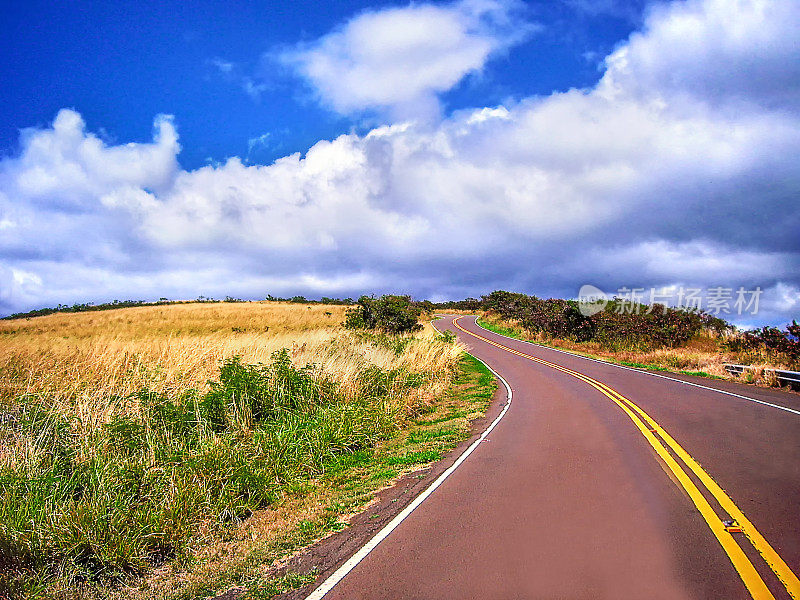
(601, 482)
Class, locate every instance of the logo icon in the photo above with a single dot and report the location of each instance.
(591, 300)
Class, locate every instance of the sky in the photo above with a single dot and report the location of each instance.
(439, 149)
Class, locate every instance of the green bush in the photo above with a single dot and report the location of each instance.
(389, 314)
(447, 336)
(636, 328)
(552, 317)
(768, 343)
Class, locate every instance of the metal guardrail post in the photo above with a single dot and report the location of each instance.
(790, 378)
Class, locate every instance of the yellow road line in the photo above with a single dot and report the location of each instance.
(768, 553)
(741, 563)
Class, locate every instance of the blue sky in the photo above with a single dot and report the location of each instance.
(121, 63)
(442, 149)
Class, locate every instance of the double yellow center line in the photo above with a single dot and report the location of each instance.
(662, 443)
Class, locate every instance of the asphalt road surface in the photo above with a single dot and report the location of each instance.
(602, 482)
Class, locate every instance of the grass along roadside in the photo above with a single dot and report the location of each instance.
(253, 557)
(651, 361)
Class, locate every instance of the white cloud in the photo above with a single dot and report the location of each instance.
(224, 66)
(719, 51)
(614, 186)
(232, 72)
(399, 59)
(257, 144)
(68, 168)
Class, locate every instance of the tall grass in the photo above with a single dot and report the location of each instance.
(79, 361)
(79, 357)
(125, 431)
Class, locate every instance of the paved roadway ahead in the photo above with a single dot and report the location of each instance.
(601, 482)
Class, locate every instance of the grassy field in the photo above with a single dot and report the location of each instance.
(702, 355)
(170, 451)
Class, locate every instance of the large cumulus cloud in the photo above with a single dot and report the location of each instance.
(678, 168)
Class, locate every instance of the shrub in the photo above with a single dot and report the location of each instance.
(556, 318)
(390, 314)
(264, 392)
(447, 336)
(768, 343)
(643, 328)
(552, 317)
(662, 327)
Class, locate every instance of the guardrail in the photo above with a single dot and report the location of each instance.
(790, 378)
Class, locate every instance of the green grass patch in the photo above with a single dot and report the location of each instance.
(506, 331)
(426, 435)
(641, 365)
(413, 458)
(660, 368)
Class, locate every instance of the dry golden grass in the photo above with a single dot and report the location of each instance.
(88, 363)
(699, 354)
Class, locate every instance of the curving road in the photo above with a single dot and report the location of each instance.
(600, 482)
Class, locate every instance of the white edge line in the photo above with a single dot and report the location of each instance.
(643, 372)
(350, 564)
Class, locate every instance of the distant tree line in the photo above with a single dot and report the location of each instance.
(466, 304)
(304, 300)
(89, 306)
(114, 304)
